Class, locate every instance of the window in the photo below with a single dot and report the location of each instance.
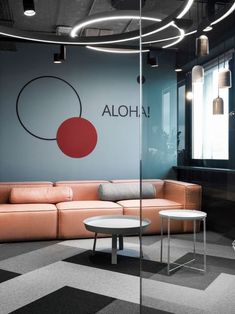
(181, 118)
(209, 132)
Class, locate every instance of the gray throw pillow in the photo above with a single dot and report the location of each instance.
(125, 191)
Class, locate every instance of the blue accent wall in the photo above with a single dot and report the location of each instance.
(101, 80)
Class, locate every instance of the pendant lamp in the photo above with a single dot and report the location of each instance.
(197, 74)
(202, 46)
(225, 78)
(29, 9)
(218, 105)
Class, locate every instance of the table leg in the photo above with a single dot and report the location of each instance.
(161, 239)
(204, 241)
(114, 249)
(94, 244)
(168, 253)
(120, 242)
(194, 239)
(141, 248)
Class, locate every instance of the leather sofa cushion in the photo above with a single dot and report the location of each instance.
(87, 205)
(49, 195)
(5, 188)
(123, 191)
(11, 208)
(156, 202)
(159, 184)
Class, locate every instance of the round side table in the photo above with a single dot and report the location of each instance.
(117, 226)
(183, 214)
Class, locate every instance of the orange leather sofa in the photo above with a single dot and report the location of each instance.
(26, 221)
(170, 194)
(46, 210)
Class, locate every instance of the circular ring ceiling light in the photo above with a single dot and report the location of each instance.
(222, 17)
(116, 16)
(117, 50)
(128, 15)
(169, 38)
(178, 38)
(133, 35)
(131, 17)
(109, 16)
(149, 30)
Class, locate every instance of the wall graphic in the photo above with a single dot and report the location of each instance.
(42, 142)
(76, 136)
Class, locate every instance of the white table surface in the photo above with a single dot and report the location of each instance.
(115, 222)
(184, 214)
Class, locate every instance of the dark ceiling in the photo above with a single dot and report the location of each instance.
(57, 17)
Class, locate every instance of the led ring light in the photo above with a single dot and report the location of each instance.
(114, 17)
(55, 39)
(115, 50)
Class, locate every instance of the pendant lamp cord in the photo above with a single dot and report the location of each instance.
(197, 30)
(218, 77)
(224, 54)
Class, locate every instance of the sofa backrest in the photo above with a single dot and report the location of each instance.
(159, 185)
(83, 190)
(5, 188)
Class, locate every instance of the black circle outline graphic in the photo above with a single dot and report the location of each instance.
(18, 98)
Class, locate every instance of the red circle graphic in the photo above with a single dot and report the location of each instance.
(76, 137)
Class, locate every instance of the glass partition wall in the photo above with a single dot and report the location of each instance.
(106, 106)
(158, 152)
(187, 154)
(70, 114)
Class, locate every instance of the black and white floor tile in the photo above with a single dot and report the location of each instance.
(64, 277)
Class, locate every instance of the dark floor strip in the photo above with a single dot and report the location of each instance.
(68, 300)
(126, 265)
(7, 275)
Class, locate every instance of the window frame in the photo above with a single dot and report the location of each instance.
(211, 163)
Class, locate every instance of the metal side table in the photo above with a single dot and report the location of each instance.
(183, 214)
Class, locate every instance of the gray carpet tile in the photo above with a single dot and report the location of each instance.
(67, 300)
(181, 247)
(212, 238)
(125, 264)
(12, 249)
(185, 291)
(103, 244)
(154, 270)
(33, 285)
(192, 278)
(121, 307)
(217, 298)
(70, 300)
(35, 259)
(176, 308)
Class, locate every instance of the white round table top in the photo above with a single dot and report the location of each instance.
(184, 214)
(114, 223)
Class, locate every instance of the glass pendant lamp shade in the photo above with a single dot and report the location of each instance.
(197, 74)
(225, 78)
(218, 105)
(202, 46)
